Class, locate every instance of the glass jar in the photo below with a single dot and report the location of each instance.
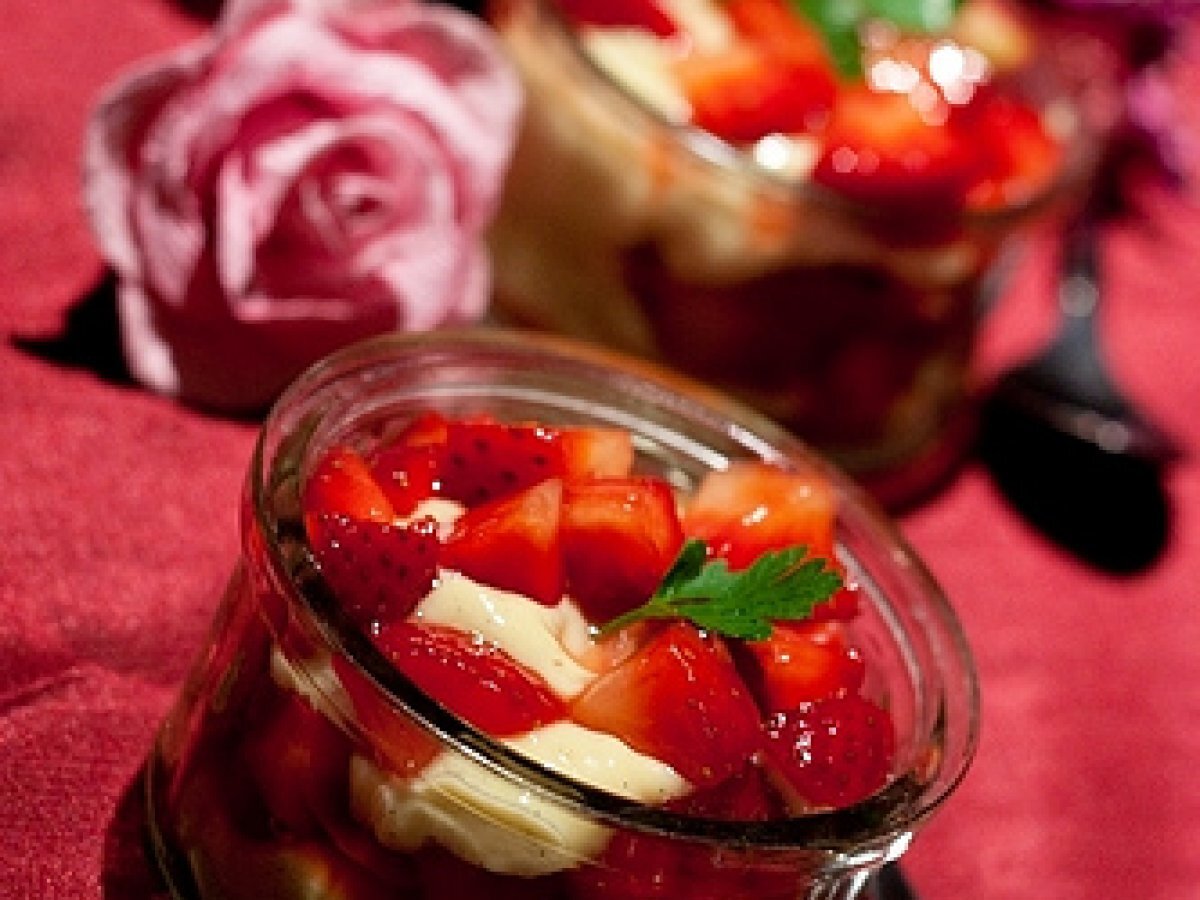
(850, 322)
(256, 782)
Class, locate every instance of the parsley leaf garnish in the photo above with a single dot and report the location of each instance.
(783, 584)
(839, 22)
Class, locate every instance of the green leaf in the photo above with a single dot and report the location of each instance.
(916, 15)
(839, 22)
(780, 585)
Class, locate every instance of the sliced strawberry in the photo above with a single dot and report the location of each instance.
(377, 570)
(747, 92)
(679, 699)
(801, 662)
(750, 508)
(879, 150)
(775, 24)
(342, 485)
(408, 467)
(485, 459)
(648, 15)
(745, 796)
(475, 679)
(649, 866)
(832, 752)
(401, 744)
(1022, 158)
(619, 538)
(596, 452)
(512, 543)
(841, 607)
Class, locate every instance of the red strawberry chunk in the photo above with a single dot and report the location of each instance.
(648, 866)
(377, 570)
(749, 91)
(775, 25)
(832, 752)
(841, 607)
(801, 662)
(400, 743)
(878, 149)
(619, 538)
(407, 474)
(596, 452)
(342, 485)
(750, 508)
(486, 460)
(647, 15)
(512, 543)
(679, 699)
(1021, 158)
(475, 679)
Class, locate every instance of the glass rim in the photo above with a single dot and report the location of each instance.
(1080, 153)
(854, 827)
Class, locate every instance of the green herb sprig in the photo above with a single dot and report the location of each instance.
(839, 22)
(779, 585)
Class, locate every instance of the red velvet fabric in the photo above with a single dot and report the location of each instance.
(118, 511)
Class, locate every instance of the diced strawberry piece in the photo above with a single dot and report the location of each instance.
(429, 429)
(407, 475)
(745, 796)
(1021, 158)
(512, 543)
(647, 15)
(751, 508)
(377, 570)
(841, 607)
(648, 866)
(475, 679)
(775, 24)
(342, 485)
(401, 744)
(485, 459)
(879, 150)
(679, 699)
(608, 652)
(747, 92)
(408, 467)
(801, 662)
(832, 752)
(596, 453)
(619, 538)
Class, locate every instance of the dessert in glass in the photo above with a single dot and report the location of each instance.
(516, 618)
(810, 216)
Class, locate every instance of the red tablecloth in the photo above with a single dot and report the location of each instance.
(118, 511)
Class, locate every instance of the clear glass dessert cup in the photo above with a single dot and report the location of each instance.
(262, 771)
(853, 324)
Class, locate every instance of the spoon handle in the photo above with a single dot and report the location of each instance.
(1078, 355)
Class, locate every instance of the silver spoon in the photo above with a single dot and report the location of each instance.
(1067, 385)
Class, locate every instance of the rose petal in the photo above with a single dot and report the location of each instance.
(115, 130)
(299, 180)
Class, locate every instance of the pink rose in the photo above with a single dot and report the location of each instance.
(300, 179)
